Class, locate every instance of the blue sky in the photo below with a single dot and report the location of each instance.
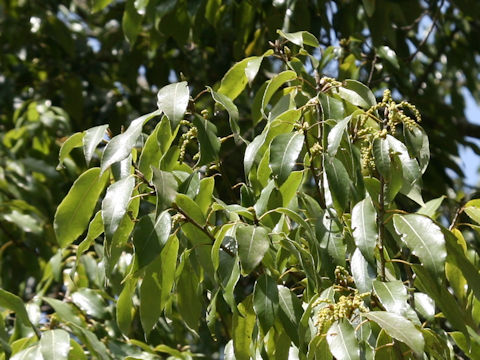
(469, 161)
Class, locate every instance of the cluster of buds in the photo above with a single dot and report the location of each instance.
(186, 139)
(343, 277)
(344, 308)
(328, 83)
(395, 112)
(316, 149)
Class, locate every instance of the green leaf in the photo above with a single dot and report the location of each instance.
(362, 271)
(300, 38)
(393, 296)
(91, 302)
(190, 209)
(357, 94)
(342, 342)
(205, 194)
(150, 293)
(100, 5)
(187, 290)
(131, 22)
(290, 312)
(384, 52)
(76, 209)
(55, 345)
(364, 225)
(91, 140)
(120, 146)
(14, 303)
(425, 240)
(410, 171)
(381, 155)
(284, 152)
(331, 108)
(265, 301)
(338, 184)
(369, 7)
(472, 209)
(125, 307)
(430, 208)
(231, 108)
(425, 305)
(30, 353)
(399, 328)
(151, 152)
(114, 205)
(208, 140)
(335, 135)
(243, 324)
(169, 263)
(71, 143)
(150, 236)
(253, 243)
(172, 100)
(273, 85)
(165, 187)
(65, 311)
(235, 80)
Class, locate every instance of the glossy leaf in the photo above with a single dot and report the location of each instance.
(381, 155)
(150, 293)
(357, 94)
(15, 304)
(393, 296)
(265, 301)
(114, 205)
(342, 342)
(55, 345)
(91, 302)
(92, 138)
(284, 152)
(364, 225)
(150, 236)
(165, 187)
(124, 310)
(472, 209)
(253, 243)
(338, 183)
(120, 146)
(389, 55)
(190, 209)
(335, 135)
(362, 271)
(424, 238)
(75, 210)
(399, 328)
(231, 108)
(273, 85)
(131, 22)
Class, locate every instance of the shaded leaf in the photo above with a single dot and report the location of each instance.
(284, 152)
(165, 187)
(91, 302)
(290, 312)
(253, 243)
(357, 94)
(364, 225)
(265, 301)
(208, 140)
(243, 324)
(71, 143)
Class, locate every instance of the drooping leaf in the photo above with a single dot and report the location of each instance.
(91, 140)
(165, 187)
(231, 108)
(335, 135)
(430, 208)
(187, 289)
(76, 209)
(208, 140)
(243, 324)
(131, 22)
(425, 240)
(172, 100)
(365, 228)
(150, 293)
(265, 301)
(71, 143)
(253, 243)
(55, 345)
(399, 328)
(393, 296)
(342, 342)
(290, 312)
(338, 184)
(120, 146)
(284, 152)
(124, 309)
(114, 205)
(362, 271)
(472, 209)
(150, 235)
(381, 155)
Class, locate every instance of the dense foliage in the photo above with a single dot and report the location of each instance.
(275, 210)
